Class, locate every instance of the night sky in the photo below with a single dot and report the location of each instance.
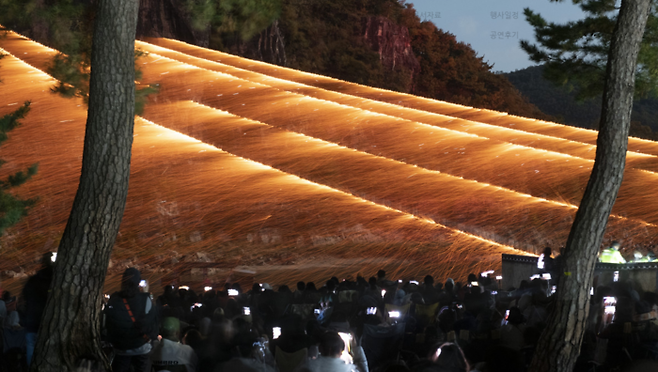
(494, 28)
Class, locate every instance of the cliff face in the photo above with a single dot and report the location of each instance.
(393, 44)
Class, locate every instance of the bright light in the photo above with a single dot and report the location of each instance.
(540, 261)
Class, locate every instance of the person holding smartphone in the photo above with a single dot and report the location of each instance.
(331, 349)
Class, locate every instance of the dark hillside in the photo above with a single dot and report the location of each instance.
(561, 103)
(380, 43)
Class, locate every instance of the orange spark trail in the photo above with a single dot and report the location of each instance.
(400, 99)
(187, 196)
(299, 176)
(426, 146)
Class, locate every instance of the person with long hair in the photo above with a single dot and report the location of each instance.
(449, 357)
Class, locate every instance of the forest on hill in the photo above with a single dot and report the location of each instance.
(381, 43)
(561, 103)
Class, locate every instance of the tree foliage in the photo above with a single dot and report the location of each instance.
(575, 53)
(64, 25)
(229, 20)
(12, 208)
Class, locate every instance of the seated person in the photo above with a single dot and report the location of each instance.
(169, 354)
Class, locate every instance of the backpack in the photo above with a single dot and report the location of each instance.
(130, 322)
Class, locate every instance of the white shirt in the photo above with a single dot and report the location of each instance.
(327, 364)
(167, 352)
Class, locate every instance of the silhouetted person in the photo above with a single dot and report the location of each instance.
(35, 294)
(131, 324)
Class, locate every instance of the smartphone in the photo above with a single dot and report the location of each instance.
(553, 289)
(246, 310)
(232, 292)
(347, 338)
(276, 332)
(499, 277)
(475, 284)
(506, 314)
(371, 311)
(207, 288)
(316, 311)
(615, 276)
(494, 292)
(53, 257)
(609, 309)
(345, 355)
(383, 292)
(393, 314)
(142, 283)
(540, 261)
(546, 276)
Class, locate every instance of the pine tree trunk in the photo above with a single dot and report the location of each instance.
(70, 326)
(559, 346)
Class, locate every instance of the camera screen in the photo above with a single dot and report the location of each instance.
(393, 314)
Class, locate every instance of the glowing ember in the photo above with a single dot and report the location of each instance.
(297, 176)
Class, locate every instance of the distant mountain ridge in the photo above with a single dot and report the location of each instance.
(560, 103)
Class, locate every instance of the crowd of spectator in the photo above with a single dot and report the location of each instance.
(375, 324)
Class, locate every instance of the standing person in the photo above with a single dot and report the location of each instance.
(612, 255)
(35, 293)
(13, 346)
(131, 324)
